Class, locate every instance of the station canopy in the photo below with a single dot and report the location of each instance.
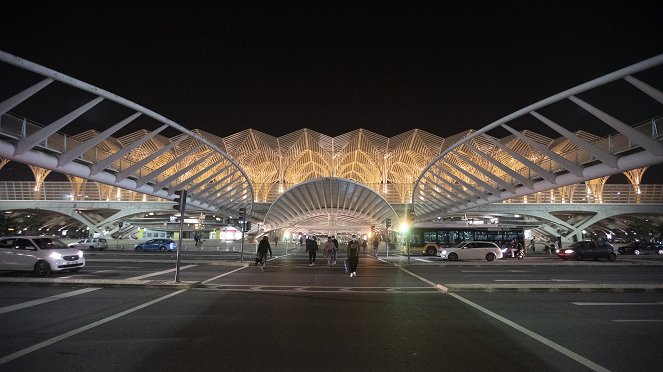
(329, 205)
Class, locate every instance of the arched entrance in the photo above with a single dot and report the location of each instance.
(329, 205)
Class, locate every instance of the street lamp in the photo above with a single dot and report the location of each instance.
(404, 228)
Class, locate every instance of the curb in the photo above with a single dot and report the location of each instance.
(188, 262)
(110, 283)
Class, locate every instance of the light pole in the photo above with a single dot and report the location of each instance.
(404, 228)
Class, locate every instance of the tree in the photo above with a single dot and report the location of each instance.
(644, 229)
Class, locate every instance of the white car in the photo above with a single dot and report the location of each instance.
(472, 250)
(41, 254)
(90, 243)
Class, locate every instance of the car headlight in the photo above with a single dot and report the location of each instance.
(80, 254)
(56, 255)
(568, 251)
(444, 252)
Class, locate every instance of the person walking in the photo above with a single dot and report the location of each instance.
(263, 248)
(364, 245)
(376, 243)
(335, 241)
(276, 241)
(328, 251)
(312, 249)
(353, 255)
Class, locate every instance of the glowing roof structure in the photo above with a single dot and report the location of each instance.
(439, 176)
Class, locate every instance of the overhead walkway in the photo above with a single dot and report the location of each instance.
(143, 161)
(481, 168)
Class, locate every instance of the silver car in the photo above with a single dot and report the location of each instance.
(472, 250)
(41, 254)
(90, 243)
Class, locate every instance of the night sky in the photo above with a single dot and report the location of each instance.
(386, 66)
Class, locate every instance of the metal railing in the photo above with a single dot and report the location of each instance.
(66, 191)
(94, 191)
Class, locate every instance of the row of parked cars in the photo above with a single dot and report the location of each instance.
(45, 254)
(586, 249)
(93, 244)
(640, 247)
(581, 250)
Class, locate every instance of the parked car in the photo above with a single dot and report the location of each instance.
(630, 247)
(588, 249)
(156, 245)
(638, 248)
(90, 243)
(41, 254)
(472, 250)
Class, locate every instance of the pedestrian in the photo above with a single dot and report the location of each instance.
(196, 238)
(364, 245)
(335, 241)
(263, 248)
(312, 249)
(376, 243)
(276, 241)
(531, 244)
(353, 255)
(328, 251)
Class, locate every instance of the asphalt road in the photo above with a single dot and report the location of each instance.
(392, 317)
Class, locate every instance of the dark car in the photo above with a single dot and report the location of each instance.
(630, 247)
(638, 248)
(157, 245)
(588, 249)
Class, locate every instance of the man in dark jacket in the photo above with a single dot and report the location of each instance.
(312, 249)
(353, 255)
(263, 248)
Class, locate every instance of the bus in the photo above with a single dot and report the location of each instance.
(430, 238)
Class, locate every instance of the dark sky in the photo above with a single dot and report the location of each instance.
(333, 66)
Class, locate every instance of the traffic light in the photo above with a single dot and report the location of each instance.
(241, 213)
(387, 223)
(180, 199)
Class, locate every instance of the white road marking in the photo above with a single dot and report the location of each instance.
(160, 273)
(44, 300)
(537, 280)
(638, 320)
(577, 357)
(224, 274)
(617, 303)
(51, 341)
(495, 271)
